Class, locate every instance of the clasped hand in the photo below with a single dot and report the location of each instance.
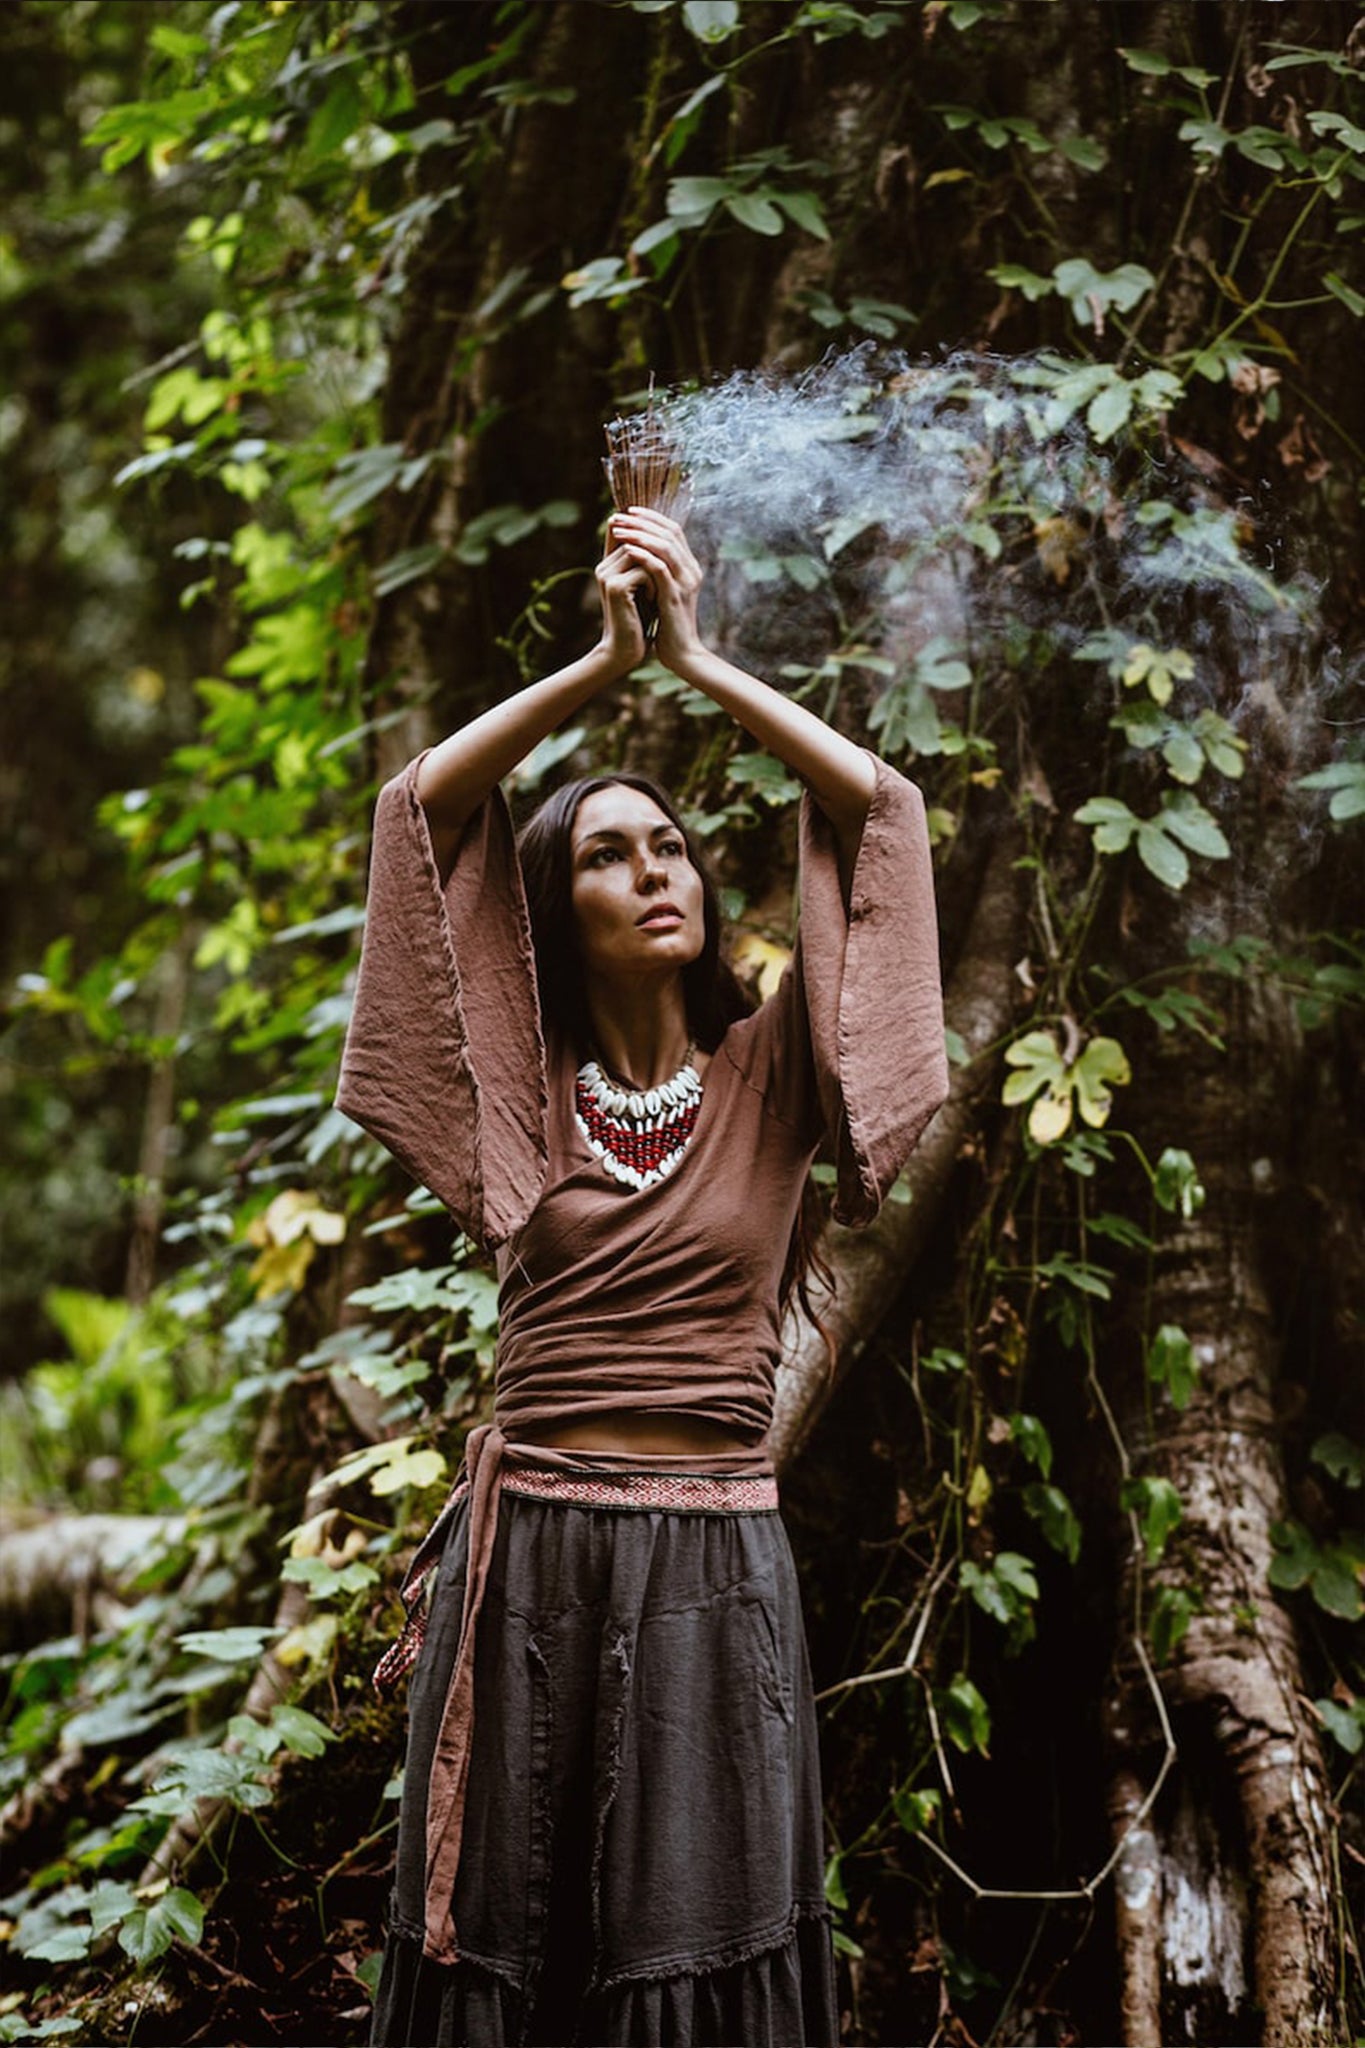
(646, 550)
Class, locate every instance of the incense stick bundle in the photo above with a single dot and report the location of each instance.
(644, 466)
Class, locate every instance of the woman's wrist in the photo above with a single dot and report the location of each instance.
(686, 661)
(609, 663)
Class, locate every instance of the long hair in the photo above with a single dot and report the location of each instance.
(712, 993)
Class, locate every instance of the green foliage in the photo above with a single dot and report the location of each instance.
(1331, 1571)
(1158, 1509)
(1171, 1364)
(308, 177)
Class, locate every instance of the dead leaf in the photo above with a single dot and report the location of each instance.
(1298, 449)
(1058, 540)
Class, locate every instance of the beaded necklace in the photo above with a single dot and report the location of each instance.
(639, 1134)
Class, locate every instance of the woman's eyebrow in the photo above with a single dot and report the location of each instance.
(615, 832)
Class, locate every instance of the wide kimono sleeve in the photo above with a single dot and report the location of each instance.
(444, 1059)
(851, 1043)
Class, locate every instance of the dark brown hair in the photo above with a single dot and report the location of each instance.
(711, 991)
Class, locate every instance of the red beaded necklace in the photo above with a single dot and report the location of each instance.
(639, 1134)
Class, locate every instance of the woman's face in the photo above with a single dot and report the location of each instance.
(637, 899)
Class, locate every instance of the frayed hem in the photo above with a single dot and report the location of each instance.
(745, 1948)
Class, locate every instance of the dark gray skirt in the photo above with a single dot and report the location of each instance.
(642, 1860)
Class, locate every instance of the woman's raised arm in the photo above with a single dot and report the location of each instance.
(839, 775)
(457, 775)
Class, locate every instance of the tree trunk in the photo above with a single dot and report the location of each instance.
(1225, 1918)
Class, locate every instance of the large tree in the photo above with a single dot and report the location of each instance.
(1041, 472)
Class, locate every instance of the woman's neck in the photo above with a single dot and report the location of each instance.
(640, 1034)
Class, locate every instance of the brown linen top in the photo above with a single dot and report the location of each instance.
(611, 1298)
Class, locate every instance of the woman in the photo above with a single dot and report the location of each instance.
(611, 1826)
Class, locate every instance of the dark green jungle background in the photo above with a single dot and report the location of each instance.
(310, 318)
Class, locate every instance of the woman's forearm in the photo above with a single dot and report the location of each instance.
(457, 775)
(839, 775)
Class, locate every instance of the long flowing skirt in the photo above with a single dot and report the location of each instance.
(642, 1853)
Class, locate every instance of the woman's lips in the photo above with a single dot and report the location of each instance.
(661, 914)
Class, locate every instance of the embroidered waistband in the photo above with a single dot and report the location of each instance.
(701, 1493)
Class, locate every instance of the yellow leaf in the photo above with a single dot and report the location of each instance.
(979, 1491)
(309, 1643)
(759, 961)
(1058, 539)
(949, 177)
(294, 1213)
(409, 1468)
(1050, 1117)
(281, 1266)
(148, 685)
(307, 1540)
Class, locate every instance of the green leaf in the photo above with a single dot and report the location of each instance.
(1339, 1456)
(1114, 823)
(1346, 779)
(1157, 1506)
(1335, 1582)
(1353, 300)
(1102, 1065)
(149, 1931)
(711, 21)
(834, 1883)
(1016, 1572)
(240, 1645)
(1084, 151)
(694, 199)
(1161, 856)
(1207, 138)
(391, 1466)
(108, 1902)
(804, 208)
(916, 1811)
(1014, 277)
(1149, 62)
(302, 1733)
(966, 1717)
(1184, 816)
(1171, 1363)
(1183, 754)
(1170, 1618)
(1176, 1184)
(340, 114)
(176, 42)
(1109, 410)
(408, 566)
(1033, 1440)
(204, 1774)
(1296, 1554)
(1221, 744)
(1049, 1507)
(1345, 1725)
(753, 210)
(1092, 292)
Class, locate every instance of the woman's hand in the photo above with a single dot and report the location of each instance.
(840, 776)
(657, 548)
(619, 578)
